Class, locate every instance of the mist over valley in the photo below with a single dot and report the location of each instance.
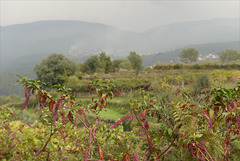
(31, 42)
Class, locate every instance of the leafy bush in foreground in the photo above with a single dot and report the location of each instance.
(206, 130)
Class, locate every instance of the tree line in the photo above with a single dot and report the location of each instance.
(56, 67)
(191, 55)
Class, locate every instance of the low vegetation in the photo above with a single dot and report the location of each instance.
(206, 129)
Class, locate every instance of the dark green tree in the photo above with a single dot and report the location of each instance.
(189, 55)
(135, 61)
(54, 68)
(91, 64)
(121, 64)
(229, 55)
(116, 64)
(105, 62)
(125, 64)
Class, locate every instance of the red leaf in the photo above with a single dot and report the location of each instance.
(24, 91)
(60, 131)
(29, 126)
(145, 85)
(80, 111)
(27, 99)
(14, 116)
(70, 116)
(143, 113)
(146, 125)
(234, 103)
(135, 157)
(65, 136)
(205, 90)
(51, 104)
(185, 105)
(63, 158)
(21, 131)
(88, 86)
(9, 130)
(111, 95)
(118, 92)
(86, 109)
(16, 138)
(121, 120)
(57, 107)
(95, 106)
(126, 157)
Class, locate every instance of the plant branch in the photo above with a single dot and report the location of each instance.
(146, 133)
(167, 147)
(91, 132)
(208, 154)
(52, 133)
(162, 117)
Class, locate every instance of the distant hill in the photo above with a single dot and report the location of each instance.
(177, 35)
(36, 40)
(24, 45)
(203, 49)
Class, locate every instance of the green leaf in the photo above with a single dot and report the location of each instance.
(49, 146)
(236, 143)
(170, 131)
(198, 135)
(211, 113)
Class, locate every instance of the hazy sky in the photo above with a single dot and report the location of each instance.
(136, 15)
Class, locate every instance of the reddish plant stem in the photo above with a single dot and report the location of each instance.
(165, 120)
(45, 144)
(3, 150)
(208, 154)
(146, 133)
(52, 133)
(167, 147)
(94, 130)
(91, 133)
(106, 153)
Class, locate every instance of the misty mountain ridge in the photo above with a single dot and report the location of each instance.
(79, 40)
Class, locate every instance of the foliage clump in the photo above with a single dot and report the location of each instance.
(189, 55)
(136, 61)
(229, 55)
(53, 69)
(184, 129)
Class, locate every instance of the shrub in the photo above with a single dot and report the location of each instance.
(202, 82)
(203, 130)
(177, 66)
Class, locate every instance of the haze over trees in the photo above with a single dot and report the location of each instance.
(189, 55)
(135, 61)
(121, 64)
(80, 40)
(229, 55)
